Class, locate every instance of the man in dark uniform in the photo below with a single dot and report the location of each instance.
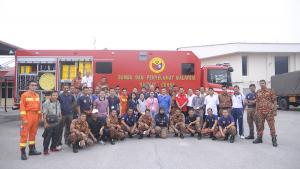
(210, 126)
(192, 122)
(177, 123)
(84, 103)
(161, 124)
(129, 123)
(81, 135)
(226, 127)
(251, 110)
(266, 106)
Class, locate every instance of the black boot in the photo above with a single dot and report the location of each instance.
(226, 137)
(214, 138)
(258, 140)
(32, 150)
(199, 136)
(231, 140)
(75, 148)
(112, 142)
(175, 135)
(157, 135)
(141, 136)
(181, 136)
(23, 154)
(274, 141)
(249, 137)
(211, 135)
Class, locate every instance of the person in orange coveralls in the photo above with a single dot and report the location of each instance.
(30, 115)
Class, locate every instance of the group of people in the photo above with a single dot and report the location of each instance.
(83, 116)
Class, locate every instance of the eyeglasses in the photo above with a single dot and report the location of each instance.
(33, 85)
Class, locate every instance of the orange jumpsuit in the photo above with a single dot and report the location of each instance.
(30, 115)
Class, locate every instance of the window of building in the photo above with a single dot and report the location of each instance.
(245, 65)
(187, 69)
(104, 67)
(281, 64)
(9, 90)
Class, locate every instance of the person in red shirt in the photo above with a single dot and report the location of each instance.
(123, 102)
(181, 101)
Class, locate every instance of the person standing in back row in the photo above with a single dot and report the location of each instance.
(266, 107)
(30, 113)
(251, 112)
(238, 110)
(67, 101)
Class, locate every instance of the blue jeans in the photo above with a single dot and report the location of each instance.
(237, 114)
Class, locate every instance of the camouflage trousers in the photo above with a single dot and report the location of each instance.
(251, 120)
(231, 131)
(161, 131)
(261, 118)
(195, 128)
(75, 138)
(143, 127)
(200, 113)
(209, 131)
(180, 127)
(116, 133)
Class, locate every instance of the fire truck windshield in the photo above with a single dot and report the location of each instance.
(219, 76)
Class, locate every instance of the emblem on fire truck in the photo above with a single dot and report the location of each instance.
(157, 65)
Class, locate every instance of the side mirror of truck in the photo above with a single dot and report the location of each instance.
(230, 69)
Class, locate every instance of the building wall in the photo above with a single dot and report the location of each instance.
(260, 66)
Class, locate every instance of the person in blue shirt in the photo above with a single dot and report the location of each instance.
(161, 124)
(164, 101)
(129, 123)
(226, 127)
(192, 122)
(84, 102)
(210, 127)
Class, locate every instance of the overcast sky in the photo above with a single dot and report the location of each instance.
(137, 24)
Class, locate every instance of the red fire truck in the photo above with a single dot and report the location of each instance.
(126, 68)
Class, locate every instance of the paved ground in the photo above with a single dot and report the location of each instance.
(171, 153)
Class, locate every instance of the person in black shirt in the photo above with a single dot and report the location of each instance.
(192, 122)
(161, 124)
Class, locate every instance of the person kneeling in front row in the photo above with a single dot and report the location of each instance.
(161, 122)
(227, 127)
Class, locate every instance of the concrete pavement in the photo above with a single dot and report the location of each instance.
(171, 153)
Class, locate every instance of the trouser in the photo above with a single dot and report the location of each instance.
(135, 131)
(200, 113)
(28, 131)
(195, 128)
(180, 127)
(222, 109)
(104, 134)
(230, 131)
(116, 133)
(261, 118)
(50, 134)
(65, 124)
(251, 118)
(161, 131)
(75, 138)
(209, 131)
(142, 127)
(237, 114)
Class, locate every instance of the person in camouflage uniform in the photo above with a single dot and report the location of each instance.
(146, 124)
(177, 123)
(225, 101)
(266, 106)
(81, 135)
(115, 129)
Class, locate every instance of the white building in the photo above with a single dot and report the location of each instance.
(251, 61)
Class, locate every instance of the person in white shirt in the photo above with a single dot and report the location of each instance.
(211, 101)
(87, 80)
(190, 96)
(237, 112)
